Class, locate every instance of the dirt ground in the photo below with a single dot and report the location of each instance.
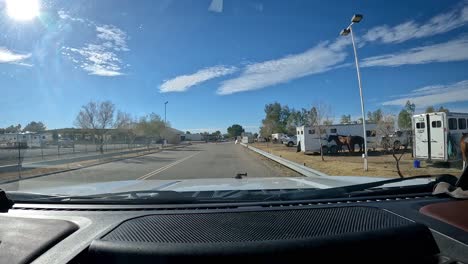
(346, 164)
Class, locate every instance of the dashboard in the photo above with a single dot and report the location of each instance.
(387, 229)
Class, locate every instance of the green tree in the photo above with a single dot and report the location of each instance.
(345, 119)
(235, 130)
(187, 132)
(275, 119)
(13, 129)
(430, 109)
(405, 115)
(443, 109)
(34, 127)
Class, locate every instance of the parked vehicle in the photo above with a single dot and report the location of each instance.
(310, 142)
(66, 143)
(278, 137)
(437, 135)
(290, 141)
(397, 140)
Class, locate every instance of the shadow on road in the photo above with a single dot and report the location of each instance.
(184, 149)
(146, 159)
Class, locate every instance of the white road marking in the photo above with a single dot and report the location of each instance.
(148, 175)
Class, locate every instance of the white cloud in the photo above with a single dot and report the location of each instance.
(66, 16)
(216, 6)
(454, 50)
(96, 59)
(434, 95)
(101, 56)
(412, 30)
(184, 82)
(115, 37)
(255, 76)
(8, 56)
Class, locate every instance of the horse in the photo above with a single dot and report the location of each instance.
(464, 149)
(349, 141)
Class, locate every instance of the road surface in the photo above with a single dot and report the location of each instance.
(222, 160)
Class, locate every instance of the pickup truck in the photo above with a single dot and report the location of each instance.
(290, 141)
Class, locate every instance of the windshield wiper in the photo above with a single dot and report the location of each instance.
(348, 191)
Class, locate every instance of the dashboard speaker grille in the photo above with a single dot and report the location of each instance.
(253, 226)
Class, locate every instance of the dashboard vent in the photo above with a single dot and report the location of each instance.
(253, 226)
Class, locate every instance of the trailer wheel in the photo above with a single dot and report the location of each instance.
(325, 150)
(290, 144)
(333, 150)
(397, 144)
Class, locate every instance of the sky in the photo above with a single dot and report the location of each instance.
(218, 62)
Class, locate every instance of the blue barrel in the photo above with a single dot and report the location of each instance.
(417, 164)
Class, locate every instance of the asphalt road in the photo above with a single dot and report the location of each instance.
(50, 152)
(223, 160)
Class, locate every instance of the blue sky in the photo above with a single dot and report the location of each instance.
(218, 62)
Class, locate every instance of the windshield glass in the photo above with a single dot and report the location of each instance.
(102, 97)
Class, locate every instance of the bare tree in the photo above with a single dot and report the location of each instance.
(320, 116)
(97, 117)
(126, 124)
(386, 127)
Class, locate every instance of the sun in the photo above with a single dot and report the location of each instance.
(22, 9)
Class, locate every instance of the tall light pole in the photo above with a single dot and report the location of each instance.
(356, 19)
(165, 106)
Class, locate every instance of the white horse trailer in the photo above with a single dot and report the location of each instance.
(309, 140)
(355, 130)
(437, 135)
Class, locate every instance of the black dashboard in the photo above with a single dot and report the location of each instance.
(390, 229)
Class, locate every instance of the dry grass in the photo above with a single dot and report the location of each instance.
(382, 165)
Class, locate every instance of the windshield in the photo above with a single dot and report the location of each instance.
(102, 97)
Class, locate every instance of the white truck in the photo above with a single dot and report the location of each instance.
(278, 137)
(437, 135)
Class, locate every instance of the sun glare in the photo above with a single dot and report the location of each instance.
(22, 9)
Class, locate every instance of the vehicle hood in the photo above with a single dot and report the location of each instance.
(218, 184)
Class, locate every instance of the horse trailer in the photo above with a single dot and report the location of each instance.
(309, 140)
(437, 135)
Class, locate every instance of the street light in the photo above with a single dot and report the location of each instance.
(165, 105)
(349, 30)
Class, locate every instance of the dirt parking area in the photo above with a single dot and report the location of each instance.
(346, 164)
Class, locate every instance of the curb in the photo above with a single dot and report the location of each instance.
(308, 172)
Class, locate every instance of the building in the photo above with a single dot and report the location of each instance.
(191, 137)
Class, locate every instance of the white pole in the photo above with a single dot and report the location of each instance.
(362, 100)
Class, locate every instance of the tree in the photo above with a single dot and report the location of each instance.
(217, 134)
(405, 115)
(430, 109)
(276, 119)
(296, 118)
(150, 127)
(126, 124)
(97, 117)
(345, 119)
(187, 132)
(235, 130)
(320, 115)
(34, 127)
(375, 117)
(443, 109)
(327, 122)
(13, 129)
